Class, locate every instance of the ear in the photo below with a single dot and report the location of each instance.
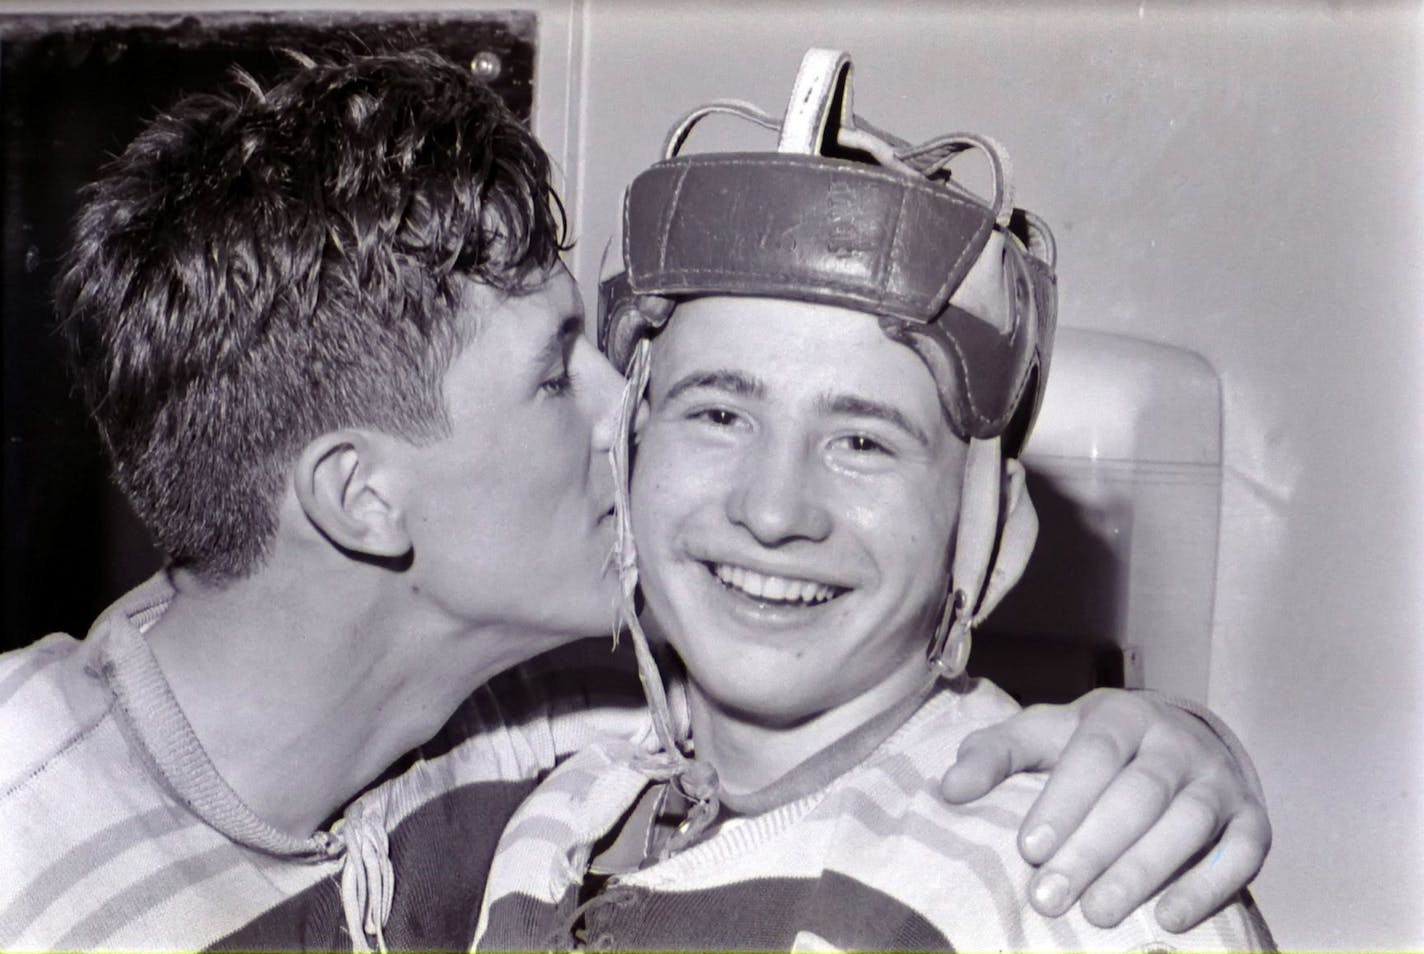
(341, 482)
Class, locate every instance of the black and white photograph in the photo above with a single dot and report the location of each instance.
(651, 475)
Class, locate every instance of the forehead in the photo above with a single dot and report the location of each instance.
(529, 315)
(507, 342)
(792, 346)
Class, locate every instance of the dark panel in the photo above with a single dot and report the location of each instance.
(1049, 641)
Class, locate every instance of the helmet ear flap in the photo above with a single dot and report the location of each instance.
(625, 318)
(993, 542)
(1018, 532)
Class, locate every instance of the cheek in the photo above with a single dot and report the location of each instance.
(916, 526)
(657, 508)
(670, 482)
(913, 546)
(453, 490)
(554, 459)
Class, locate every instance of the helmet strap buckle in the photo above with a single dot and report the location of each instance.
(948, 654)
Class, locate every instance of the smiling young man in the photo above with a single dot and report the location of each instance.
(327, 340)
(825, 502)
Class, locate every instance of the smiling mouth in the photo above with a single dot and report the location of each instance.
(773, 590)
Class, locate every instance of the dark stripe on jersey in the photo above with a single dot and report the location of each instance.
(51, 883)
(441, 854)
(763, 914)
(145, 894)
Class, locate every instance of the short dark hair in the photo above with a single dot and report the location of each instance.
(260, 267)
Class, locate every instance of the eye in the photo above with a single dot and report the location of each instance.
(560, 385)
(716, 416)
(864, 444)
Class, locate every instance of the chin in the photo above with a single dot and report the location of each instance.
(766, 705)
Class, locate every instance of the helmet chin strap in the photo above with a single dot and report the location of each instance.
(992, 545)
(625, 556)
(696, 780)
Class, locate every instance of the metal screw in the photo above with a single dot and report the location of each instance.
(487, 66)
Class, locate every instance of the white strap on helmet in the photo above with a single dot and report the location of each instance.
(991, 550)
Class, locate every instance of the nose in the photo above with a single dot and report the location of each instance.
(601, 392)
(775, 496)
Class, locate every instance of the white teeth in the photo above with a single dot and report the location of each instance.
(776, 589)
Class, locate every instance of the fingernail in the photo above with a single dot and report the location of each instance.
(1039, 842)
(1050, 894)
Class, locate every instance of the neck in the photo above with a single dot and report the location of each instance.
(303, 687)
(751, 750)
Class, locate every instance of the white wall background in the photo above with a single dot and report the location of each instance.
(1240, 179)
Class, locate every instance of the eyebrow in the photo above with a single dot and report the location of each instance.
(745, 385)
(553, 349)
(733, 382)
(856, 406)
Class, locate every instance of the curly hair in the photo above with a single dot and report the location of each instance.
(260, 267)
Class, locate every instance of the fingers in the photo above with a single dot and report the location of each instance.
(1028, 741)
(1112, 729)
(1166, 808)
(1138, 790)
(1133, 803)
(1220, 874)
(1186, 828)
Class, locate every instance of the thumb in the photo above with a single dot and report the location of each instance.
(985, 759)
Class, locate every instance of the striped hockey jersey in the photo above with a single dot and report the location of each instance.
(116, 832)
(873, 860)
